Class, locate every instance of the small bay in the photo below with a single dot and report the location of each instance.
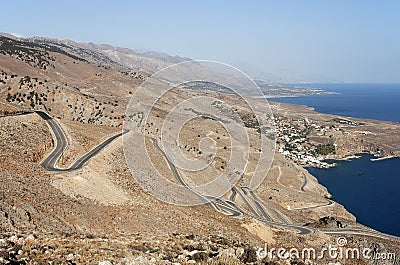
(369, 190)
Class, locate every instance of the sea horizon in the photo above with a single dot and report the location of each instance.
(367, 101)
(378, 101)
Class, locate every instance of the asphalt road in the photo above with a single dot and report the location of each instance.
(178, 176)
(228, 206)
(60, 140)
(305, 183)
(49, 163)
(232, 209)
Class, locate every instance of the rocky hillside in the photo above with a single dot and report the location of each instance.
(42, 76)
(116, 57)
(147, 61)
(99, 214)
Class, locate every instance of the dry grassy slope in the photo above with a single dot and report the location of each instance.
(103, 198)
(282, 186)
(100, 199)
(68, 88)
(82, 138)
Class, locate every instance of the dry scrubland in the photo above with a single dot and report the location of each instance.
(99, 212)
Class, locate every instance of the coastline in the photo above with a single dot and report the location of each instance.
(381, 158)
(368, 186)
(350, 157)
(352, 135)
(355, 156)
(327, 165)
(351, 100)
(353, 138)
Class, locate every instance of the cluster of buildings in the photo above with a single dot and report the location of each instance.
(293, 143)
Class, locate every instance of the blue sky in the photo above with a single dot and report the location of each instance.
(340, 40)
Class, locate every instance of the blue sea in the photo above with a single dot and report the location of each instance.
(369, 190)
(371, 101)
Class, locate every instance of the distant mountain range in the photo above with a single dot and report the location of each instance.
(145, 61)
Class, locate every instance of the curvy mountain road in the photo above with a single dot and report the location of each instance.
(49, 163)
(329, 201)
(305, 183)
(229, 207)
(178, 176)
